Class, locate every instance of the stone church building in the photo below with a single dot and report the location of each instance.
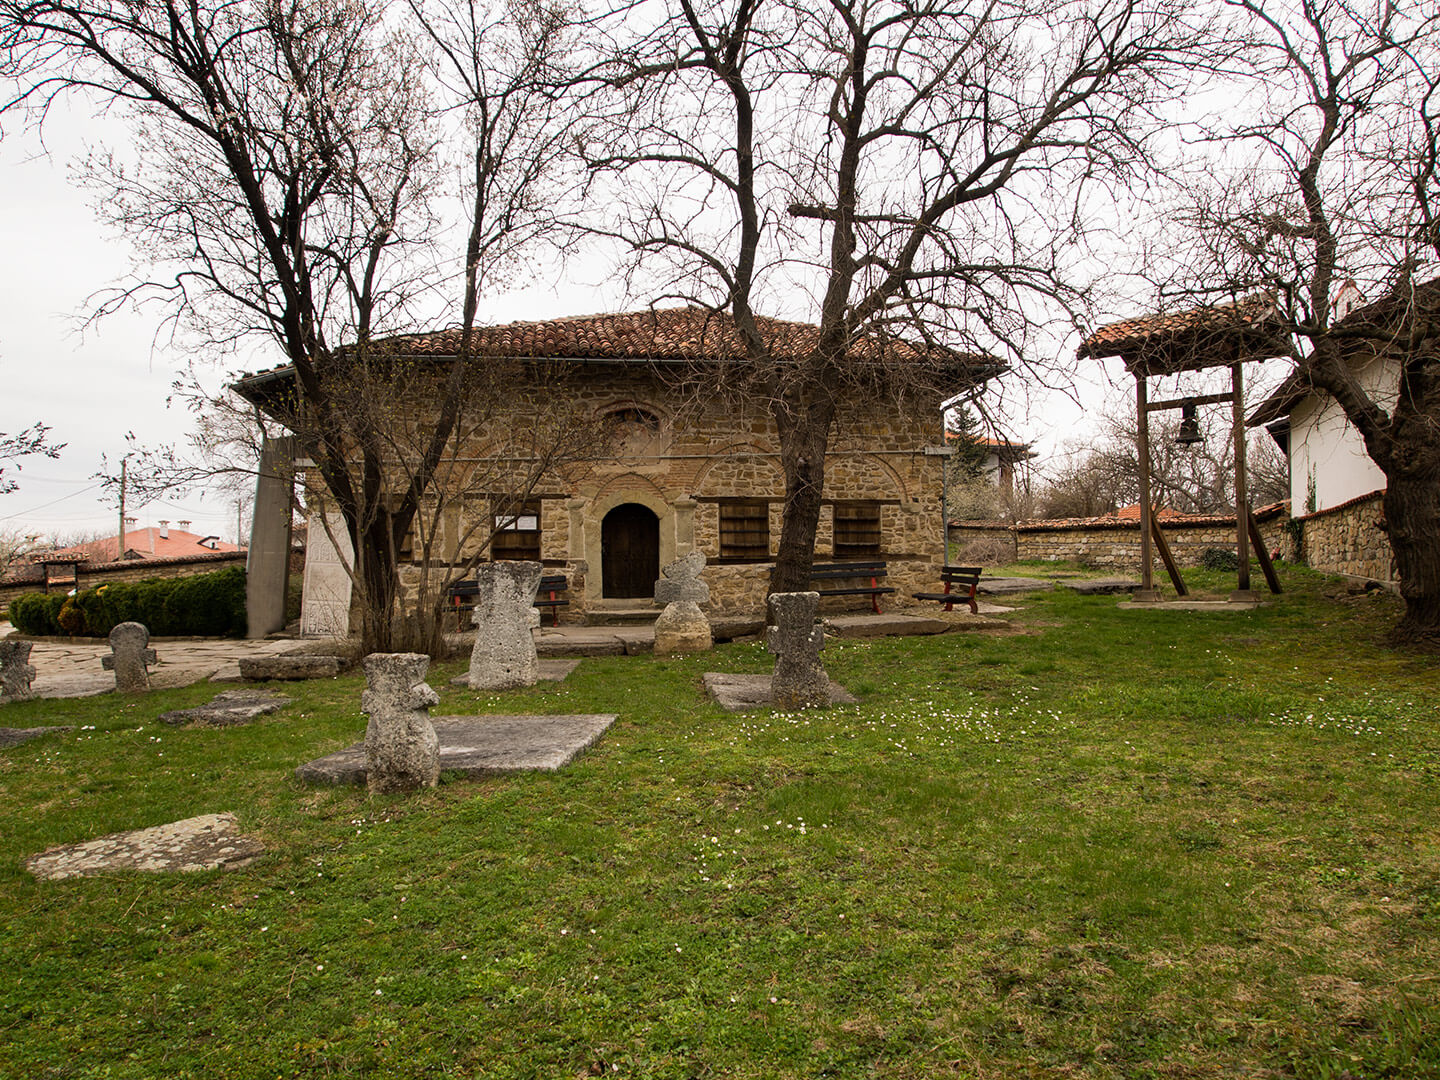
(690, 468)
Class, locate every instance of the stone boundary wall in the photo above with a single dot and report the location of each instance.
(1347, 539)
(1115, 545)
(92, 575)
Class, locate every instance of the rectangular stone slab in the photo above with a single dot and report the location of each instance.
(478, 746)
(741, 693)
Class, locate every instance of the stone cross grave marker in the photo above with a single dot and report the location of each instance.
(796, 639)
(129, 656)
(16, 671)
(402, 751)
(682, 627)
(505, 618)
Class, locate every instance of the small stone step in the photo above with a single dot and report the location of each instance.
(636, 616)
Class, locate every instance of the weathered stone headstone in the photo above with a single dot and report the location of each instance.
(402, 751)
(129, 656)
(682, 627)
(16, 671)
(796, 639)
(505, 618)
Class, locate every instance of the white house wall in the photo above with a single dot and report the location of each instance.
(1327, 452)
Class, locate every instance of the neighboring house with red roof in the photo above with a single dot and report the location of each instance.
(1336, 489)
(151, 552)
(692, 468)
(1003, 459)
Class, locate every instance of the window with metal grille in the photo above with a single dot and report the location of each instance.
(517, 533)
(857, 529)
(745, 530)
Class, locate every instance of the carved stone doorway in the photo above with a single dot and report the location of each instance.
(629, 552)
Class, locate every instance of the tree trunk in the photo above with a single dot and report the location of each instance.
(804, 427)
(380, 584)
(1412, 521)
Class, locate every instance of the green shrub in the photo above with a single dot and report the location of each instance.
(206, 605)
(70, 618)
(38, 613)
(1215, 558)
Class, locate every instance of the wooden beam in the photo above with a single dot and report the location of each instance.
(1266, 566)
(1171, 567)
(1179, 403)
(1142, 427)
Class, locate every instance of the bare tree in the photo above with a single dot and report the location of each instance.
(34, 441)
(287, 179)
(1199, 478)
(15, 544)
(1326, 170)
(920, 172)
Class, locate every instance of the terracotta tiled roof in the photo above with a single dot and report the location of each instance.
(660, 334)
(1114, 338)
(1191, 340)
(144, 543)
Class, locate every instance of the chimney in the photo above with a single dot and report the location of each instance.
(164, 529)
(130, 522)
(184, 526)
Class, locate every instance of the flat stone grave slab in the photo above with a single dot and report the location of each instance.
(14, 736)
(479, 746)
(207, 842)
(1110, 586)
(857, 626)
(264, 668)
(229, 709)
(997, 586)
(549, 669)
(1216, 606)
(740, 693)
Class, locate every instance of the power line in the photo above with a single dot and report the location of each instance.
(53, 502)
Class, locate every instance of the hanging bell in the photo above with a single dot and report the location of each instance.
(1189, 426)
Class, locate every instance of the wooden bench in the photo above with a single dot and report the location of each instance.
(960, 584)
(849, 571)
(462, 596)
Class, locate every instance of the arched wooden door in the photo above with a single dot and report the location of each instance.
(629, 552)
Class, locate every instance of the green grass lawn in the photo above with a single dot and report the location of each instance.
(1106, 844)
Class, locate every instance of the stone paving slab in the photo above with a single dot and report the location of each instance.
(479, 746)
(207, 842)
(293, 667)
(1110, 586)
(595, 641)
(741, 693)
(1215, 606)
(551, 669)
(14, 736)
(997, 586)
(858, 626)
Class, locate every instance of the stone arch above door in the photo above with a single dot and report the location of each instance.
(642, 493)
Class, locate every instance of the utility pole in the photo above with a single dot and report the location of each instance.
(120, 536)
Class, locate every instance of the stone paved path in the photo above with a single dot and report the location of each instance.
(67, 669)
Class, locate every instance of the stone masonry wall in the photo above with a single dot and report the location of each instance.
(1347, 539)
(705, 448)
(1113, 547)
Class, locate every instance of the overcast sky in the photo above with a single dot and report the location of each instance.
(95, 384)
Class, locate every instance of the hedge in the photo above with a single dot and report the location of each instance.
(205, 605)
